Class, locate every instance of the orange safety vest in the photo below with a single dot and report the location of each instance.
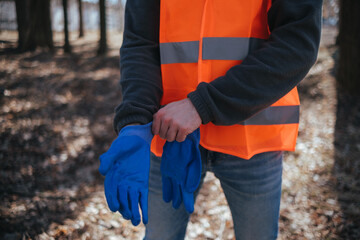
(199, 41)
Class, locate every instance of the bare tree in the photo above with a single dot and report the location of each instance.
(348, 75)
(81, 24)
(39, 33)
(22, 18)
(121, 15)
(103, 41)
(67, 47)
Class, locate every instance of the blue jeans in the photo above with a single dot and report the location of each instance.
(252, 189)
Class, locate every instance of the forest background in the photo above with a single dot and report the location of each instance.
(59, 85)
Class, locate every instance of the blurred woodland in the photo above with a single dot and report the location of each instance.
(59, 85)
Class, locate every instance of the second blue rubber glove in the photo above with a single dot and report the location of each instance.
(126, 168)
(181, 171)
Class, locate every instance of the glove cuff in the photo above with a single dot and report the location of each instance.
(142, 131)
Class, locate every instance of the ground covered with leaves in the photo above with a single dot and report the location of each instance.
(56, 114)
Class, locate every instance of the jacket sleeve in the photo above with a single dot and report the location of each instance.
(139, 64)
(268, 73)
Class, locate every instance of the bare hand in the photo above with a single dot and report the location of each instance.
(176, 120)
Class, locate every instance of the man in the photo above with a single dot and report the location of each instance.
(229, 68)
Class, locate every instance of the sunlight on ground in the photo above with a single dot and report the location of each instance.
(59, 110)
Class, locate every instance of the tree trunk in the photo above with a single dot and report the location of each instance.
(81, 24)
(121, 16)
(22, 18)
(39, 33)
(67, 47)
(103, 42)
(348, 75)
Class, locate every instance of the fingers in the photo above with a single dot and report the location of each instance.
(156, 124)
(171, 134)
(134, 206)
(188, 198)
(163, 130)
(173, 191)
(176, 201)
(124, 208)
(167, 189)
(178, 116)
(193, 175)
(164, 127)
(111, 192)
(129, 204)
(181, 135)
(177, 195)
(144, 204)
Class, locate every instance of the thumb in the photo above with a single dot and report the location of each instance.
(105, 164)
(108, 158)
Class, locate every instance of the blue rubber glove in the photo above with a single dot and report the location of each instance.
(181, 171)
(126, 168)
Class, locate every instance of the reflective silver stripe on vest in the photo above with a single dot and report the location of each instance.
(221, 48)
(179, 52)
(275, 115)
(214, 48)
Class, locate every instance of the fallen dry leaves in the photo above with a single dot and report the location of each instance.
(56, 118)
